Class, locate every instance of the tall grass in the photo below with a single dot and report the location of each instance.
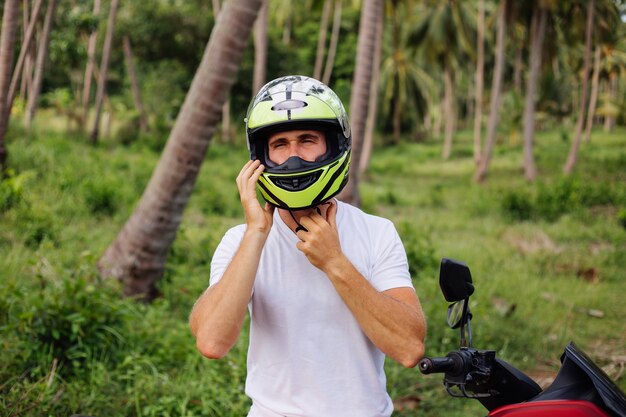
(548, 261)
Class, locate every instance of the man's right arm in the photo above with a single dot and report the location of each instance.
(218, 315)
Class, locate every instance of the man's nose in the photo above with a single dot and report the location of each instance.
(294, 149)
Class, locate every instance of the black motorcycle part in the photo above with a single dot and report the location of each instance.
(580, 379)
(455, 280)
(511, 386)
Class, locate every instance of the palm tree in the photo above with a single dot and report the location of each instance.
(404, 83)
(226, 133)
(260, 49)
(368, 139)
(89, 68)
(593, 100)
(138, 254)
(321, 40)
(24, 50)
(134, 84)
(443, 36)
(7, 44)
(496, 86)
(359, 99)
(284, 15)
(334, 40)
(537, 34)
(42, 57)
(614, 69)
(104, 70)
(607, 34)
(572, 157)
(478, 81)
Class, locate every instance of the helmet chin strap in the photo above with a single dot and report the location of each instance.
(300, 227)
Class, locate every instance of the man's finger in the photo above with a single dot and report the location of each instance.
(331, 215)
(256, 174)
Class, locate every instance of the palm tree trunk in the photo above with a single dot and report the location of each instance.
(517, 70)
(437, 120)
(104, 70)
(593, 100)
(397, 121)
(286, 39)
(479, 80)
(321, 41)
(359, 98)
(138, 254)
(573, 153)
(260, 49)
(448, 105)
(496, 87)
(25, 19)
(332, 48)
(368, 142)
(10, 17)
(42, 57)
(216, 8)
(226, 136)
(537, 34)
(24, 50)
(91, 62)
(609, 120)
(132, 74)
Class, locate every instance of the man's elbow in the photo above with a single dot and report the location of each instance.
(412, 355)
(211, 349)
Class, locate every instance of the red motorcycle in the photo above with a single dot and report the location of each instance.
(581, 388)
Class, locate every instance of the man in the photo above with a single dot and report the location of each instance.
(327, 286)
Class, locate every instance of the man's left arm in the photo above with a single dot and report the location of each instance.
(393, 320)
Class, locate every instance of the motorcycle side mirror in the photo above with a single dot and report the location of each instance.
(456, 314)
(455, 280)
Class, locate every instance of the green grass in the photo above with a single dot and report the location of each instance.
(547, 259)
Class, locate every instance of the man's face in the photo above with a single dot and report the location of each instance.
(306, 144)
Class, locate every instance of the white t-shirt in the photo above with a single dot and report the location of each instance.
(307, 354)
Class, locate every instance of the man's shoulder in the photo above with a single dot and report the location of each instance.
(356, 216)
(357, 212)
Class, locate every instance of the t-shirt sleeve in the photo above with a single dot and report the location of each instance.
(225, 252)
(390, 268)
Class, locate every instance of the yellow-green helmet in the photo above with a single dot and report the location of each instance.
(297, 102)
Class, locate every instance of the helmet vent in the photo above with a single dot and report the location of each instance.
(296, 183)
(289, 105)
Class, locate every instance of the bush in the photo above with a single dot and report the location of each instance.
(73, 321)
(419, 249)
(621, 217)
(128, 131)
(101, 197)
(550, 201)
(11, 189)
(36, 227)
(517, 205)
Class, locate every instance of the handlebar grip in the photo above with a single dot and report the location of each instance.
(437, 365)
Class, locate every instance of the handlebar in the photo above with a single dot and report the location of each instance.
(452, 364)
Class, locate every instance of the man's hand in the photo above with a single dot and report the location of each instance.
(392, 320)
(257, 218)
(320, 243)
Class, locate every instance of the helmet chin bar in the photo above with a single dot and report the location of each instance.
(296, 182)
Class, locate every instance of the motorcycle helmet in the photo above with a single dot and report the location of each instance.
(299, 103)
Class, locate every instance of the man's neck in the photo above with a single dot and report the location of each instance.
(288, 219)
